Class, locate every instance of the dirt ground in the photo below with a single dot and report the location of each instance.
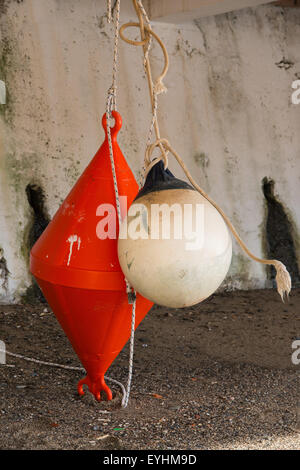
(215, 376)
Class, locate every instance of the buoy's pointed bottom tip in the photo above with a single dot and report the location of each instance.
(95, 386)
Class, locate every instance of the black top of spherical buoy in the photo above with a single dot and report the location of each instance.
(160, 179)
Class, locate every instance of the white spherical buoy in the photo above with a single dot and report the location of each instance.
(168, 267)
(174, 247)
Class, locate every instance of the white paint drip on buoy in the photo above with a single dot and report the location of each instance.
(73, 239)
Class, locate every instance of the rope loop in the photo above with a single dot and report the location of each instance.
(164, 147)
(130, 24)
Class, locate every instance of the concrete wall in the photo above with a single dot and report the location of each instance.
(228, 112)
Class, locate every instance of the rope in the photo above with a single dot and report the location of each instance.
(131, 351)
(111, 155)
(131, 295)
(283, 278)
(61, 366)
(115, 58)
(108, 11)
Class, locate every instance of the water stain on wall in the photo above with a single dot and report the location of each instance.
(285, 64)
(40, 220)
(279, 239)
(4, 272)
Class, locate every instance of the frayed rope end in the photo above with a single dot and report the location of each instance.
(160, 87)
(283, 280)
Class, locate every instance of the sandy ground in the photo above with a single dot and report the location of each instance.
(215, 376)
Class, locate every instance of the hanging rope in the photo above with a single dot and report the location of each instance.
(154, 88)
(283, 278)
(112, 92)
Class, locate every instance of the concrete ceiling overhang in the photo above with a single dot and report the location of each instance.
(178, 11)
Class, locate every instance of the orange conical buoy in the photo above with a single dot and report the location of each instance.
(79, 273)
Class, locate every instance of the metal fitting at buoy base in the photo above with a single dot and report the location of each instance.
(95, 387)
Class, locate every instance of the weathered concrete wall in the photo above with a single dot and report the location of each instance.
(228, 112)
